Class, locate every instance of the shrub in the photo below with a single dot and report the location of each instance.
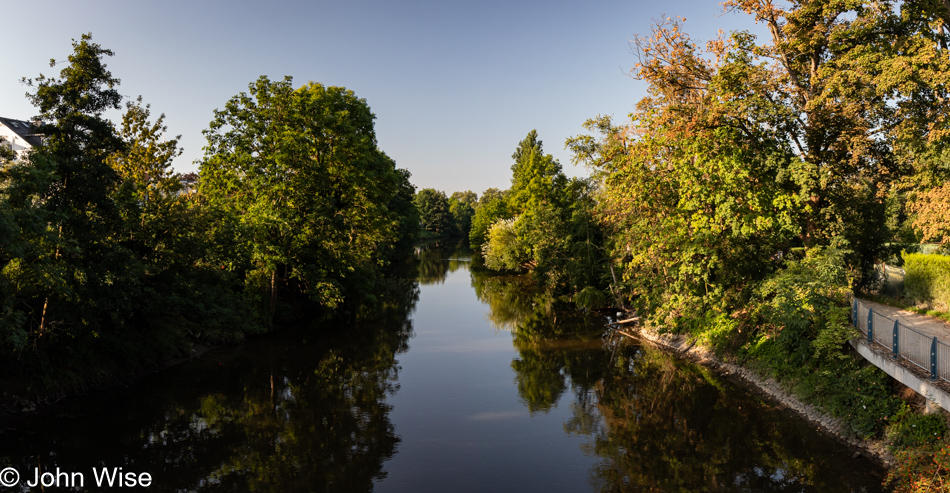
(504, 249)
(921, 470)
(927, 279)
(910, 429)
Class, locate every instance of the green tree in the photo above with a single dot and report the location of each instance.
(743, 151)
(403, 206)
(65, 209)
(551, 226)
(6, 153)
(462, 213)
(301, 172)
(489, 195)
(467, 197)
(177, 246)
(487, 213)
(434, 212)
(535, 177)
(505, 249)
(858, 88)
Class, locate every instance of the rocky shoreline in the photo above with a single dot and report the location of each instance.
(682, 346)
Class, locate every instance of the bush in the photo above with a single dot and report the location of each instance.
(927, 279)
(921, 470)
(910, 429)
(504, 249)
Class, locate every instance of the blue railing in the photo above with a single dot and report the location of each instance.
(926, 352)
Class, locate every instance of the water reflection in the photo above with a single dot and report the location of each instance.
(311, 409)
(303, 411)
(432, 264)
(655, 422)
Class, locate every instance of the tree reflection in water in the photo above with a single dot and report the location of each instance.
(657, 423)
(302, 411)
(307, 410)
(431, 266)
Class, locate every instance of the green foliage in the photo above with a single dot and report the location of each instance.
(690, 218)
(591, 298)
(300, 171)
(467, 197)
(107, 267)
(804, 308)
(922, 470)
(544, 221)
(717, 331)
(487, 213)
(504, 249)
(489, 195)
(801, 296)
(909, 429)
(71, 277)
(753, 147)
(927, 279)
(802, 325)
(6, 152)
(401, 204)
(795, 328)
(536, 177)
(434, 212)
(462, 213)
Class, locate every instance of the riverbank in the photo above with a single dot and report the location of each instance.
(682, 345)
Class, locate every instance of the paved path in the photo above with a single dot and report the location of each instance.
(933, 327)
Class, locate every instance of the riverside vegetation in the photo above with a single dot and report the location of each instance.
(107, 267)
(753, 190)
(756, 186)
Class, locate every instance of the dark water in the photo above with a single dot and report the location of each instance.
(460, 381)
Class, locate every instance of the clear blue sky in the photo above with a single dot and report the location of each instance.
(455, 85)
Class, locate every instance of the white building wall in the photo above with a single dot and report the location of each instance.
(11, 139)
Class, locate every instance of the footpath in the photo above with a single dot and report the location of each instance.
(933, 327)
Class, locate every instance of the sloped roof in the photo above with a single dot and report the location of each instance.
(25, 130)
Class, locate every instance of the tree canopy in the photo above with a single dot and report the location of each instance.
(301, 172)
(108, 266)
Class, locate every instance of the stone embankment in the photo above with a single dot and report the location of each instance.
(681, 345)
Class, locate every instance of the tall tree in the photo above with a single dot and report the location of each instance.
(859, 88)
(535, 177)
(66, 186)
(747, 149)
(468, 197)
(462, 212)
(490, 194)
(301, 172)
(434, 212)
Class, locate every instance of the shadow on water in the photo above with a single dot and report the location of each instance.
(655, 422)
(301, 410)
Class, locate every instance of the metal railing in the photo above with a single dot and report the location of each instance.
(929, 353)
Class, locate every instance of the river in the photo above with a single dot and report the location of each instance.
(460, 380)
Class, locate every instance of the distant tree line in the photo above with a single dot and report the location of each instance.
(544, 222)
(108, 266)
(445, 216)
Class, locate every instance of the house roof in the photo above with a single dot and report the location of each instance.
(25, 130)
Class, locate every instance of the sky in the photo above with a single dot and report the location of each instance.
(454, 85)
